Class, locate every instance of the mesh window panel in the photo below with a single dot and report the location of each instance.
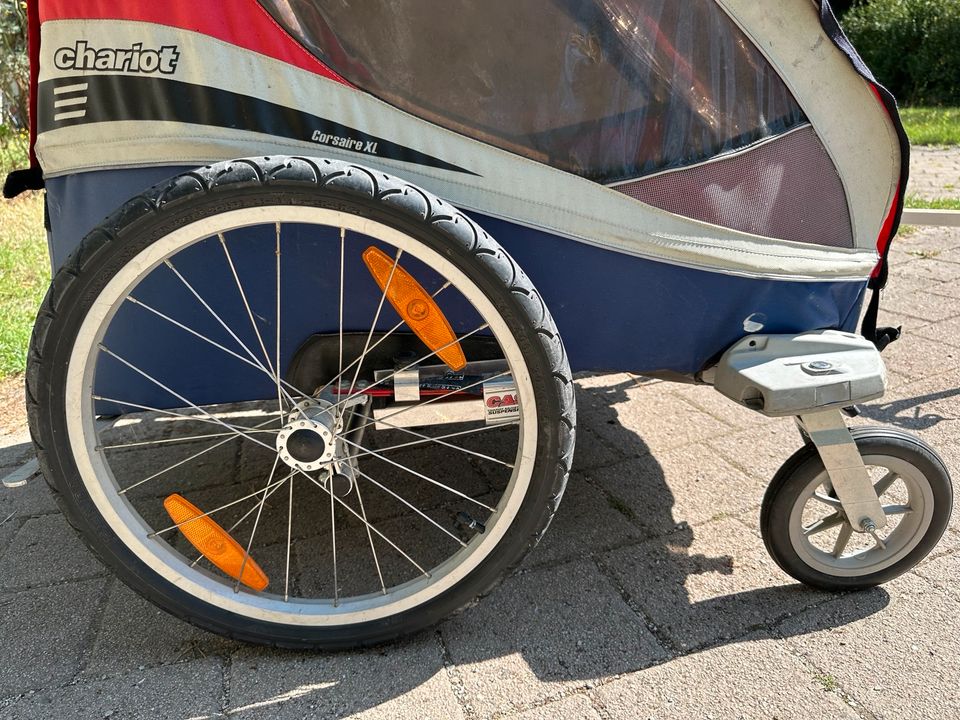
(787, 188)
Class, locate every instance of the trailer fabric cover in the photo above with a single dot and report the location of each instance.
(236, 95)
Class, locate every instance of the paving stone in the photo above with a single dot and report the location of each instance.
(402, 680)
(916, 298)
(934, 172)
(931, 270)
(760, 451)
(916, 408)
(945, 332)
(186, 690)
(45, 551)
(937, 239)
(31, 499)
(647, 419)
(755, 678)
(588, 520)
(706, 398)
(709, 584)
(916, 356)
(944, 571)
(8, 528)
(575, 707)
(14, 451)
(895, 654)
(689, 485)
(591, 450)
(44, 633)
(544, 633)
(137, 633)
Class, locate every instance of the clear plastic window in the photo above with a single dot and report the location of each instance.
(606, 89)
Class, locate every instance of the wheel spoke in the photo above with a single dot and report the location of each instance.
(885, 482)
(897, 509)
(224, 506)
(256, 523)
(343, 240)
(247, 514)
(412, 507)
(407, 408)
(390, 332)
(416, 362)
(421, 476)
(333, 545)
(376, 319)
(180, 397)
(824, 524)
(369, 525)
(189, 438)
(438, 441)
(246, 305)
(279, 388)
(286, 574)
(373, 549)
(827, 500)
(230, 437)
(846, 532)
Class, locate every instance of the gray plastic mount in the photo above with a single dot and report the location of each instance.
(780, 375)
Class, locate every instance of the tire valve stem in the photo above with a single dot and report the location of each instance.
(465, 519)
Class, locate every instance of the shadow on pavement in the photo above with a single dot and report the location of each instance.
(644, 590)
(906, 413)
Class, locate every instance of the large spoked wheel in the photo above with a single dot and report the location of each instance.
(809, 536)
(301, 403)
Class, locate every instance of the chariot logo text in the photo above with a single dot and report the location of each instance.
(137, 59)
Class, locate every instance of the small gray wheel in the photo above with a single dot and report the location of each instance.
(809, 536)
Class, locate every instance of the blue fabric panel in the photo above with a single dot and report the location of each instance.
(615, 312)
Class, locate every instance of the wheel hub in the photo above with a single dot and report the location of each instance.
(308, 441)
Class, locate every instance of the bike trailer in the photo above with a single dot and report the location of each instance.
(324, 269)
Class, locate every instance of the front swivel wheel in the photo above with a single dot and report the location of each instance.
(809, 536)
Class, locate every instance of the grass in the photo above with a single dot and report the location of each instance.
(932, 125)
(13, 151)
(24, 276)
(915, 202)
(828, 682)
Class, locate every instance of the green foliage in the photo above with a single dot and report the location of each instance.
(14, 84)
(13, 150)
(24, 276)
(912, 46)
(932, 126)
(941, 203)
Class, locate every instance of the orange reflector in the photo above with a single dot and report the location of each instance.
(214, 543)
(416, 307)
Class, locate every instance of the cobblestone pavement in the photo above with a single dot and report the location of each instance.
(651, 595)
(934, 172)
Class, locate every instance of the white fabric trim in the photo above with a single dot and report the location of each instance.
(506, 185)
(841, 106)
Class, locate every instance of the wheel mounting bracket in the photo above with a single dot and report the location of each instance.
(844, 464)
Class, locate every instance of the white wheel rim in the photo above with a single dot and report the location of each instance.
(98, 480)
(899, 542)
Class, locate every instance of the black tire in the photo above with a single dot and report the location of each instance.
(314, 183)
(798, 473)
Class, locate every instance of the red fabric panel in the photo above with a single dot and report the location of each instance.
(33, 39)
(245, 24)
(886, 233)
